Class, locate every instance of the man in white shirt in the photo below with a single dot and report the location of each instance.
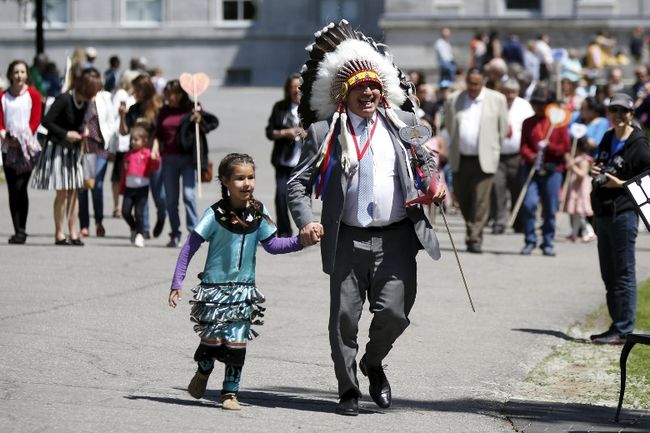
(445, 56)
(369, 238)
(507, 180)
(477, 122)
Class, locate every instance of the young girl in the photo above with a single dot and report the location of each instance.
(578, 202)
(227, 302)
(139, 163)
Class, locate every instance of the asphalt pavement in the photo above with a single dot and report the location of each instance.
(88, 343)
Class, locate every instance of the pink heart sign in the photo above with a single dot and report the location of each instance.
(194, 84)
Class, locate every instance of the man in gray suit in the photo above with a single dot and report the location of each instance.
(369, 239)
(477, 122)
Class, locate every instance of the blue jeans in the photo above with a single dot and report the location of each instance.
(180, 167)
(97, 196)
(544, 188)
(158, 194)
(616, 243)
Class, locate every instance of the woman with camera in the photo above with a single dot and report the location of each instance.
(623, 153)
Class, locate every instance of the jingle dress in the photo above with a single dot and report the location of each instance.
(227, 302)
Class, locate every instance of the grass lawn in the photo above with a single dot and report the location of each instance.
(638, 363)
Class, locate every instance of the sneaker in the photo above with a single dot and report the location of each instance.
(174, 242)
(197, 385)
(133, 233)
(548, 251)
(525, 251)
(139, 240)
(229, 401)
(588, 238)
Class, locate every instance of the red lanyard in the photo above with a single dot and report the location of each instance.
(361, 152)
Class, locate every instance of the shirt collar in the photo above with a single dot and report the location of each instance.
(356, 120)
(479, 98)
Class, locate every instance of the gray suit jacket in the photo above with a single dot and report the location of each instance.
(300, 190)
(492, 131)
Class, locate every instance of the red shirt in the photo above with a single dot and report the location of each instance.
(534, 130)
(36, 110)
(169, 120)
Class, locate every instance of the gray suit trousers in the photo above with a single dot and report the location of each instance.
(379, 265)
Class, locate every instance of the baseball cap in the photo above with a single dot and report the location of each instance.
(91, 52)
(621, 100)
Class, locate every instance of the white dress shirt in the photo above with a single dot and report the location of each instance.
(469, 124)
(518, 112)
(388, 203)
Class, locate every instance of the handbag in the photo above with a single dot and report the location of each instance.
(89, 167)
(207, 174)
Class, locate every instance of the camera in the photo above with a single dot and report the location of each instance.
(613, 167)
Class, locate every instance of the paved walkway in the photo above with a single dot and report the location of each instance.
(87, 343)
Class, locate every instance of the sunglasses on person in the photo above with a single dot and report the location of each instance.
(617, 110)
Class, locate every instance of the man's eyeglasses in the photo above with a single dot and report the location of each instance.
(617, 110)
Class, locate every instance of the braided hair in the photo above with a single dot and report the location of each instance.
(226, 168)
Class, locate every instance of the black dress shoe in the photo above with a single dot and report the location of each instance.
(76, 242)
(158, 228)
(348, 404)
(379, 388)
(610, 339)
(18, 239)
(474, 247)
(63, 241)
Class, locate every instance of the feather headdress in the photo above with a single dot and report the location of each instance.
(341, 58)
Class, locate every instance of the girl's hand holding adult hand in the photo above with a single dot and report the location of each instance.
(174, 297)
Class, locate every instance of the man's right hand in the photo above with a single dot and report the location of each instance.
(311, 234)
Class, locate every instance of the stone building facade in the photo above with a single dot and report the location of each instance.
(259, 42)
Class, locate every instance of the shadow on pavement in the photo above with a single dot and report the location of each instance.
(539, 416)
(558, 334)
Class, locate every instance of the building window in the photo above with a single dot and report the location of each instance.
(143, 11)
(524, 4)
(334, 10)
(55, 13)
(238, 10)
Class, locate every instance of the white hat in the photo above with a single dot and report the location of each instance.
(91, 52)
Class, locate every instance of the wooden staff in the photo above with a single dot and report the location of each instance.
(524, 189)
(198, 140)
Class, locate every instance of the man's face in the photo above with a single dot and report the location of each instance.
(474, 84)
(363, 99)
(510, 95)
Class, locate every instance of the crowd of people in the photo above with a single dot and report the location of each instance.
(51, 124)
(500, 152)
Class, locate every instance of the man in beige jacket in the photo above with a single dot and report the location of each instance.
(476, 120)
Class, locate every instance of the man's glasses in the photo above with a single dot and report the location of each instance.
(617, 110)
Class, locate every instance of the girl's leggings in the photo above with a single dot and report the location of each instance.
(233, 358)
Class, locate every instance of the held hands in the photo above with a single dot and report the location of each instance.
(311, 234)
(174, 297)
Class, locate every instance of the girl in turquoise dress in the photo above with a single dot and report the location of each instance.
(227, 302)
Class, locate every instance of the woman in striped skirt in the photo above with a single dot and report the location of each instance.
(60, 165)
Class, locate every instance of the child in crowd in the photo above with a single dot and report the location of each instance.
(226, 302)
(139, 163)
(578, 201)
